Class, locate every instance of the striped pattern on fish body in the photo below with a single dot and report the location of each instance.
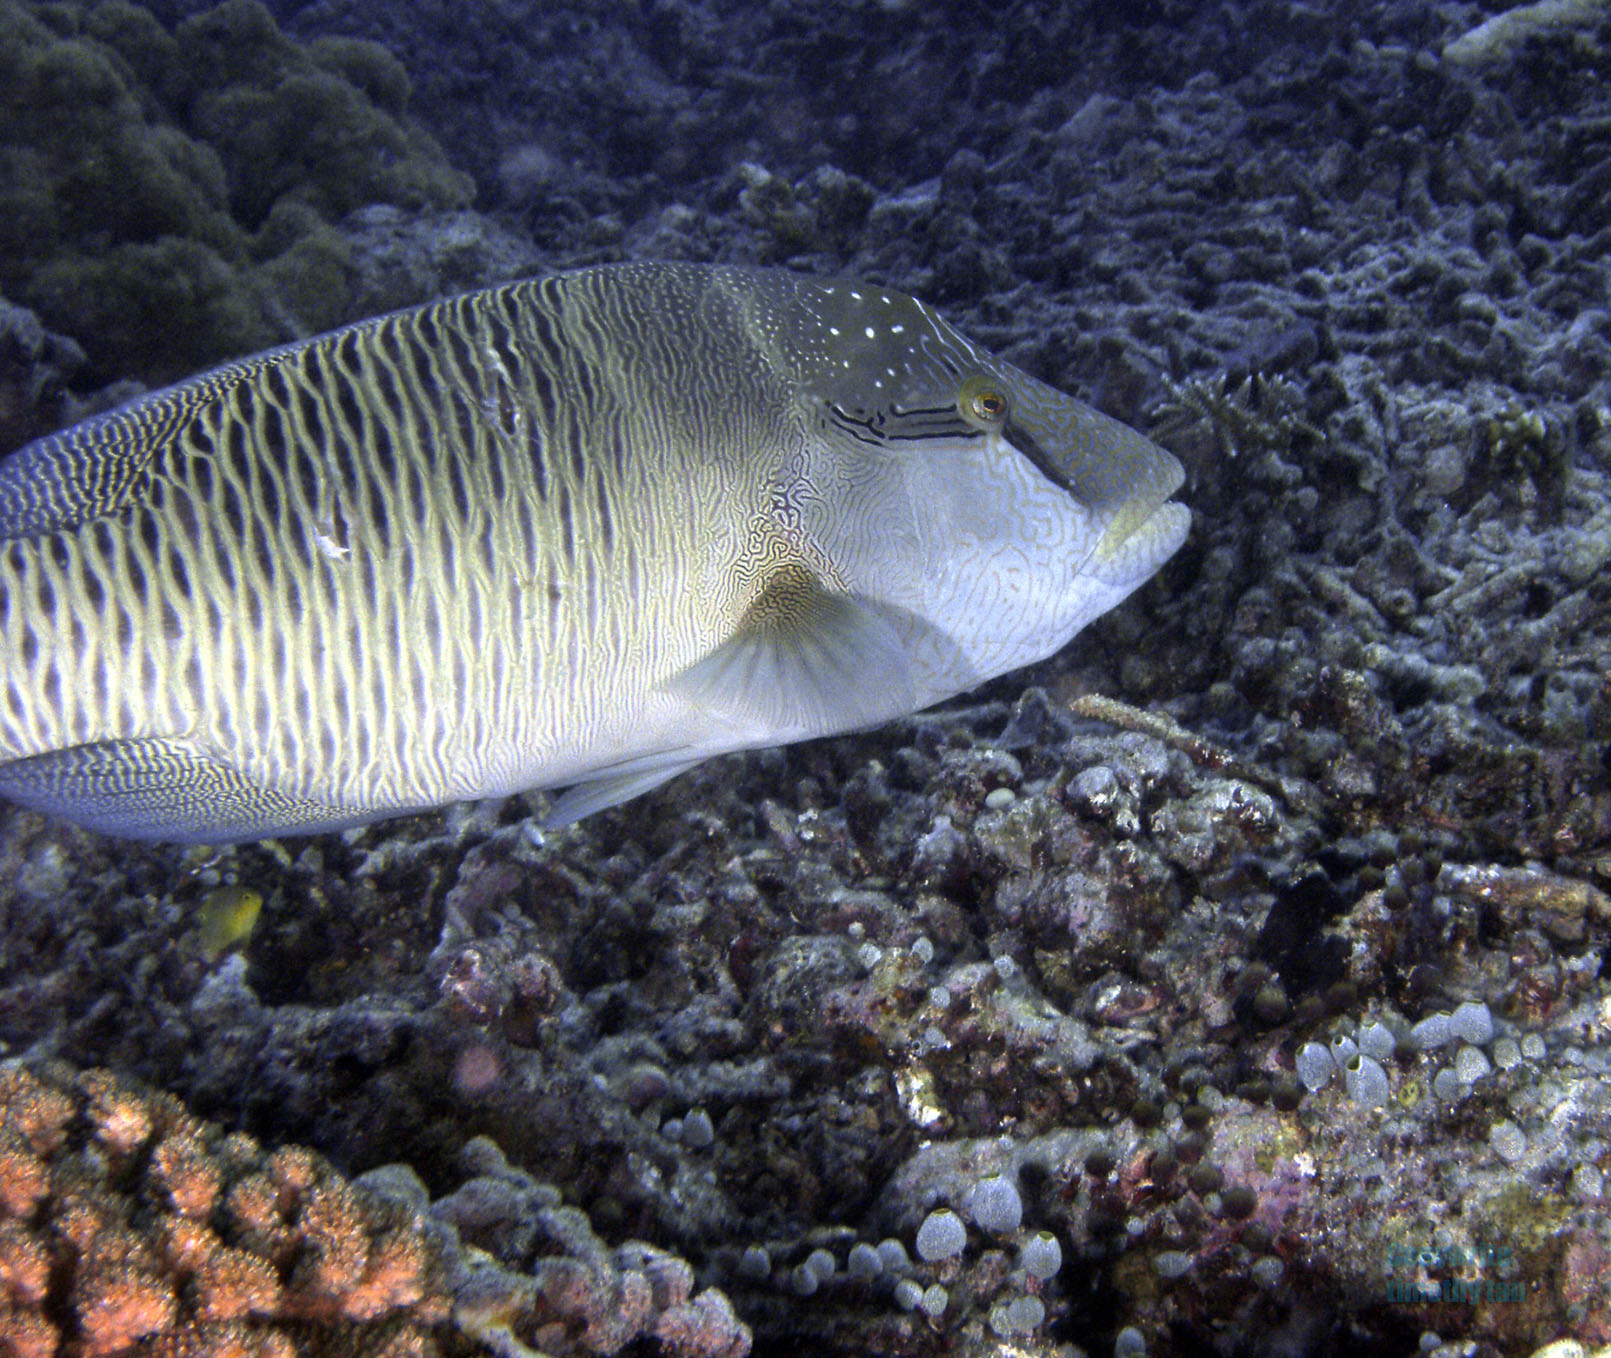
(588, 529)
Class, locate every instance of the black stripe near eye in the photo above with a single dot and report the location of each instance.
(1045, 463)
(862, 428)
(913, 425)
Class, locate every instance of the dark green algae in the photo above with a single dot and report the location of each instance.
(171, 198)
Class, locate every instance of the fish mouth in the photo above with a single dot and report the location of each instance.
(1126, 557)
(1146, 529)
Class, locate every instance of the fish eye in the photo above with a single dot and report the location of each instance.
(982, 403)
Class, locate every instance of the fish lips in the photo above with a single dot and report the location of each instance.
(1145, 530)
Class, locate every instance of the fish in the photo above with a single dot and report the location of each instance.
(225, 919)
(581, 531)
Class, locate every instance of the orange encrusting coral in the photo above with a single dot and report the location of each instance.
(129, 1226)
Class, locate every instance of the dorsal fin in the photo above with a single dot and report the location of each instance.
(95, 468)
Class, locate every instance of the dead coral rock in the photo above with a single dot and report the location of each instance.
(542, 1281)
(1521, 896)
(703, 1328)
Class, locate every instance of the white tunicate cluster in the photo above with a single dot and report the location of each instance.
(935, 1300)
(1041, 1255)
(865, 1261)
(697, 1129)
(1315, 1066)
(1366, 1082)
(1507, 1054)
(1026, 1314)
(1343, 1050)
(803, 1279)
(1470, 1065)
(821, 1262)
(1005, 967)
(999, 798)
(1431, 1032)
(1508, 1141)
(1446, 1085)
(1267, 1271)
(923, 951)
(1022, 1315)
(1170, 1264)
(1532, 1047)
(908, 1294)
(755, 1264)
(869, 955)
(995, 1205)
(1376, 1040)
(941, 1236)
(1472, 1022)
(1129, 1343)
(894, 1255)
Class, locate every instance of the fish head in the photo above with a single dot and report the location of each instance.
(992, 515)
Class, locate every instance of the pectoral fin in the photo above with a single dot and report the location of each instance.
(804, 661)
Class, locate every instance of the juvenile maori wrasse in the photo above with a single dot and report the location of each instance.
(583, 531)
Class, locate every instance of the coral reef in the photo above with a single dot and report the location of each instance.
(1085, 1053)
